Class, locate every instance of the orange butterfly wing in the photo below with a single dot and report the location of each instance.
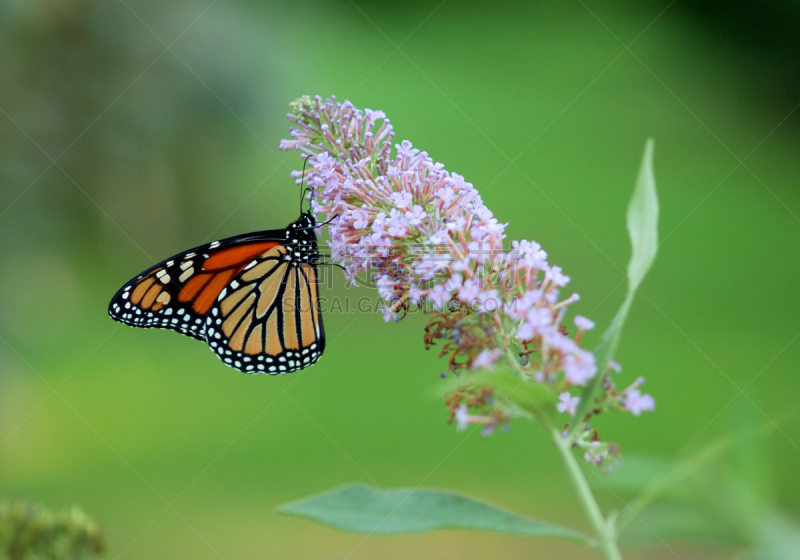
(253, 298)
(268, 320)
(177, 293)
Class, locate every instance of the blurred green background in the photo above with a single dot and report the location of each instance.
(132, 130)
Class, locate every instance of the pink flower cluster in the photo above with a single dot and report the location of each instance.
(427, 239)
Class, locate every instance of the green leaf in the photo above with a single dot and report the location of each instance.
(363, 509)
(643, 221)
(643, 230)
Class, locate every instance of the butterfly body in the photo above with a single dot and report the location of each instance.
(253, 298)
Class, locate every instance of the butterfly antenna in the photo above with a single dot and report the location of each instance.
(332, 264)
(328, 221)
(303, 178)
(319, 225)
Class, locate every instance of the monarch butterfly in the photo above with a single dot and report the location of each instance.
(253, 298)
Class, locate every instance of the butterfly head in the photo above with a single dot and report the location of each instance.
(306, 221)
(300, 233)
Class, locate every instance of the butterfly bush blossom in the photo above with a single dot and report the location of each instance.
(426, 239)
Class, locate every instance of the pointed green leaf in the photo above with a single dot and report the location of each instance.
(364, 509)
(643, 230)
(643, 221)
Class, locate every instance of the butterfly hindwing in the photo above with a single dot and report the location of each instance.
(268, 319)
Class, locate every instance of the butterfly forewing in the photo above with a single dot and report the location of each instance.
(253, 298)
(166, 296)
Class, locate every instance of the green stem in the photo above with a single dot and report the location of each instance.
(604, 528)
